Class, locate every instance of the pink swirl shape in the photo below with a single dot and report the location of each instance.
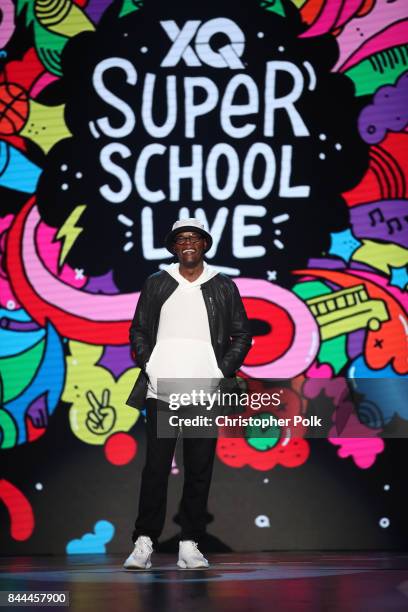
(306, 341)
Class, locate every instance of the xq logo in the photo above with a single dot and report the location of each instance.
(227, 56)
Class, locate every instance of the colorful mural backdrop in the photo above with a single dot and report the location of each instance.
(281, 125)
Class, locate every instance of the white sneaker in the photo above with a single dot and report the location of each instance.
(189, 556)
(140, 557)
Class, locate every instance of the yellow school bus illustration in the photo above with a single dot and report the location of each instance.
(347, 310)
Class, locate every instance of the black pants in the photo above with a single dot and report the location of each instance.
(198, 459)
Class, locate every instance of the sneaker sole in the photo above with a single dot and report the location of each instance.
(185, 567)
(137, 568)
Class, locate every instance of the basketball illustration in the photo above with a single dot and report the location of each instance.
(14, 108)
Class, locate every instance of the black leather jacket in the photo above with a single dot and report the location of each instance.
(228, 321)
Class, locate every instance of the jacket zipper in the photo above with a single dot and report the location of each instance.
(212, 307)
(209, 300)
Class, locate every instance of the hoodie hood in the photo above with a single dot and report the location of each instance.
(207, 273)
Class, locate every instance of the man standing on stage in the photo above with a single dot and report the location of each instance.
(189, 323)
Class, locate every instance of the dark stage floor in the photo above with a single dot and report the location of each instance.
(278, 581)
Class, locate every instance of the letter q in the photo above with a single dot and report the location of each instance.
(227, 56)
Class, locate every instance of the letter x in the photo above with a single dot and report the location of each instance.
(181, 43)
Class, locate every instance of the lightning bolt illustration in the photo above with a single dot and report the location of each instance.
(69, 232)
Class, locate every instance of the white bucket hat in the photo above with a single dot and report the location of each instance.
(187, 225)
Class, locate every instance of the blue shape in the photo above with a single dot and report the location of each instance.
(14, 342)
(15, 315)
(382, 393)
(49, 380)
(93, 542)
(16, 170)
(344, 244)
(399, 277)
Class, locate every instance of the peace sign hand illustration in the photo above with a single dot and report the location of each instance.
(101, 419)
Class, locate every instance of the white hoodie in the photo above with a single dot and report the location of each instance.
(183, 347)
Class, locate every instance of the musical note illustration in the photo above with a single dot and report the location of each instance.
(376, 212)
(397, 224)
